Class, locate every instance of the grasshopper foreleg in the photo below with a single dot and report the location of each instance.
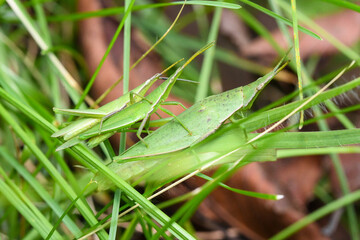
(140, 129)
(147, 126)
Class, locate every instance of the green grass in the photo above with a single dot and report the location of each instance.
(49, 194)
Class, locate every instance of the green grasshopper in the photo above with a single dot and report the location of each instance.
(126, 115)
(202, 119)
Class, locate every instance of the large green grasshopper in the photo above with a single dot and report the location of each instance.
(126, 115)
(202, 119)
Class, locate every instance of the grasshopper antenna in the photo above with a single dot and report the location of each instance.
(180, 79)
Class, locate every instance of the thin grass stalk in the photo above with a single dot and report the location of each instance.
(42, 22)
(115, 211)
(207, 66)
(297, 58)
(126, 63)
(118, 10)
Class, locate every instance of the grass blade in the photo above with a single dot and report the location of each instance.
(207, 66)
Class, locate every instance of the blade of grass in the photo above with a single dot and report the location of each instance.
(297, 57)
(307, 79)
(126, 64)
(219, 4)
(286, 153)
(275, 7)
(42, 23)
(120, 10)
(207, 66)
(345, 4)
(115, 211)
(126, 74)
(345, 188)
(130, 229)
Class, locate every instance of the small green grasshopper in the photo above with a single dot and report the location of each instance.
(202, 119)
(127, 112)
